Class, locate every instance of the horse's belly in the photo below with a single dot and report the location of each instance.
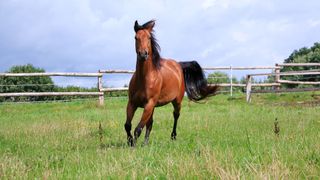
(162, 103)
(165, 99)
(167, 96)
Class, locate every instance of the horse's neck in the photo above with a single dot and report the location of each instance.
(145, 69)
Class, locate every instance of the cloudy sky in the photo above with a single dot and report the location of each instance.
(87, 35)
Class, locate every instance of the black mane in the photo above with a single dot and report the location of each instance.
(156, 58)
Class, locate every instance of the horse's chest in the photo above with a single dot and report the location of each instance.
(140, 98)
(143, 94)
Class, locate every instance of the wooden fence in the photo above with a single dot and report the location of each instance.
(100, 93)
(98, 75)
(103, 89)
(278, 81)
(276, 72)
(229, 68)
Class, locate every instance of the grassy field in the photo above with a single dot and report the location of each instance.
(221, 138)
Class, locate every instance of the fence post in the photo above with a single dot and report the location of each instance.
(231, 81)
(277, 76)
(248, 88)
(101, 96)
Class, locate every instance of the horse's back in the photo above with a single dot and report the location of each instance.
(171, 71)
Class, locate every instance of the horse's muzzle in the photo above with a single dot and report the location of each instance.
(143, 55)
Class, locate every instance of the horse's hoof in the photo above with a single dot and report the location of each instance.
(130, 142)
(146, 142)
(173, 136)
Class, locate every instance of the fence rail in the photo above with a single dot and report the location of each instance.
(51, 74)
(298, 82)
(244, 85)
(286, 90)
(117, 71)
(287, 73)
(114, 89)
(240, 68)
(298, 64)
(51, 94)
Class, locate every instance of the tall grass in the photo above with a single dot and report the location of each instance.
(222, 138)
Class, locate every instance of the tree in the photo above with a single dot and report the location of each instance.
(303, 55)
(219, 77)
(26, 84)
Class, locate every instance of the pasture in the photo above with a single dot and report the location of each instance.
(220, 138)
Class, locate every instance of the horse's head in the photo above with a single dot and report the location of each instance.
(143, 39)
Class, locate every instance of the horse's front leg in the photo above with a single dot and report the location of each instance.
(146, 116)
(130, 112)
(148, 129)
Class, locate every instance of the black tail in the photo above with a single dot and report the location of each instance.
(195, 81)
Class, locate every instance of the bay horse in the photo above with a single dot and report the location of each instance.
(158, 81)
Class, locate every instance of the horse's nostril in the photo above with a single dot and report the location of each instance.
(144, 53)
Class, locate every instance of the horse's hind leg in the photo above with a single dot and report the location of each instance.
(176, 114)
(148, 129)
(130, 112)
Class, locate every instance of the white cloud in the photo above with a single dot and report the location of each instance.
(226, 4)
(208, 3)
(238, 36)
(314, 22)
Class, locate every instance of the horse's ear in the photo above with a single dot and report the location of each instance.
(136, 26)
(149, 25)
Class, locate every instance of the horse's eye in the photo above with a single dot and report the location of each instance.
(135, 38)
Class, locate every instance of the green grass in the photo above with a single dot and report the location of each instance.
(222, 138)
